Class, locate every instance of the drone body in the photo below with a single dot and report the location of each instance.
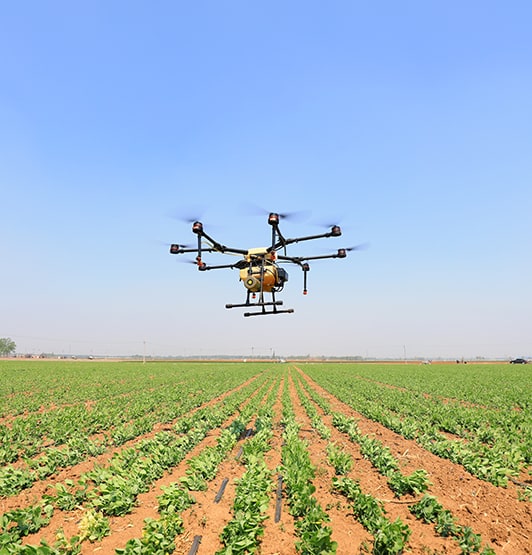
(259, 269)
(261, 272)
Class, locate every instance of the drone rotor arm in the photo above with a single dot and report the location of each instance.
(325, 256)
(180, 249)
(222, 249)
(293, 259)
(278, 241)
(231, 250)
(334, 232)
(214, 246)
(204, 267)
(341, 253)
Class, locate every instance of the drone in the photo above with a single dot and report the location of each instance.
(259, 269)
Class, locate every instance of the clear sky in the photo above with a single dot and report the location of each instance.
(408, 123)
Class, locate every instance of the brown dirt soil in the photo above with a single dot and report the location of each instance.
(504, 523)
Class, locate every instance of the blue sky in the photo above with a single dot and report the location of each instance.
(408, 123)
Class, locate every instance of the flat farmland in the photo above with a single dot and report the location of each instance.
(268, 458)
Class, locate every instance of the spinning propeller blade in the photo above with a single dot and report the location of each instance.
(179, 246)
(167, 244)
(189, 214)
(328, 222)
(297, 215)
(360, 247)
(175, 248)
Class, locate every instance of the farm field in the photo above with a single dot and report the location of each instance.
(259, 457)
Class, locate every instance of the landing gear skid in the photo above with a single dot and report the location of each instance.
(264, 312)
(263, 304)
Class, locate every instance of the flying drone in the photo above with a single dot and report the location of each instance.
(259, 268)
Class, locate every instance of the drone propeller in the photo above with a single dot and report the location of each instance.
(328, 222)
(189, 214)
(293, 216)
(200, 266)
(177, 245)
(298, 215)
(361, 247)
(175, 248)
(170, 245)
(342, 253)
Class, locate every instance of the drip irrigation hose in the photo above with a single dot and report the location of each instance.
(195, 545)
(221, 490)
(279, 496)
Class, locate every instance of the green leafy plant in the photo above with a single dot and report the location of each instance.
(25, 521)
(469, 541)
(67, 496)
(446, 524)
(314, 537)
(115, 496)
(417, 482)
(174, 499)
(341, 461)
(194, 482)
(426, 509)
(13, 480)
(391, 537)
(158, 537)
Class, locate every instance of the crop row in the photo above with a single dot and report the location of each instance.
(159, 534)
(389, 537)
(35, 386)
(298, 474)
(242, 533)
(73, 427)
(112, 490)
(498, 443)
(102, 422)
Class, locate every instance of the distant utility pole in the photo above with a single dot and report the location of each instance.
(144, 352)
